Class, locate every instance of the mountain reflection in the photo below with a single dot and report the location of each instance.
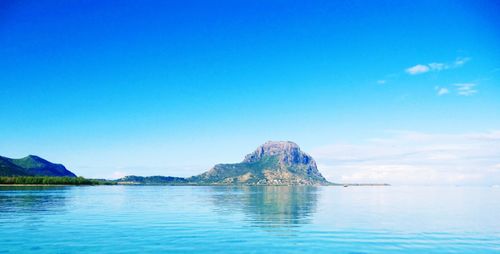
(32, 198)
(269, 206)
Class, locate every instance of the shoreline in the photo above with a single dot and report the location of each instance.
(227, 185)
(46, 185)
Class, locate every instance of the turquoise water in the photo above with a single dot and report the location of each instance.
(182, 219)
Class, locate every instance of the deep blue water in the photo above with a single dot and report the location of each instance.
(183, 219)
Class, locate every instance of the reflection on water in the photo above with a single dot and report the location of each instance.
(269, 206)
(32, 198)
(279, 219)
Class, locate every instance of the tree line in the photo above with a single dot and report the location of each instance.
(50, 180)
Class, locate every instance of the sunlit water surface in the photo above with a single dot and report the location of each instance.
(184, 219)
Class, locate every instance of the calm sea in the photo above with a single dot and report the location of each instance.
(183, 219)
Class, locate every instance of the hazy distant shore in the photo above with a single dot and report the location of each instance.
(216, 184)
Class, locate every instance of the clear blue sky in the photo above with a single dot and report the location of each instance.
(173, 87)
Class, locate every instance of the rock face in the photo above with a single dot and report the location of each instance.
(32, 166)
(273, 163)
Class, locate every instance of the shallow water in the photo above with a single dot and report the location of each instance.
(181, 219)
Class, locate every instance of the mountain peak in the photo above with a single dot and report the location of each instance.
(34, 158)
(274, 143)
(273, 163)
(288, 152)
(273, 146)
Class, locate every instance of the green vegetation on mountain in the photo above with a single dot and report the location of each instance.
(247, 172)
(7, 168)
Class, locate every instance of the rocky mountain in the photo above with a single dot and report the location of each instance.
(273, 163)
(32, 166)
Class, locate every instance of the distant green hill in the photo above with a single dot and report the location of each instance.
(32, 166)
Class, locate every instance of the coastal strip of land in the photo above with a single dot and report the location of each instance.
(50, 180)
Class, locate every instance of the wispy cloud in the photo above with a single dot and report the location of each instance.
(442, 90)
(381, 81)
(405, 157)
(461, 61)
(461, 89)
(466, 89)
(436, 66)
(417, 69)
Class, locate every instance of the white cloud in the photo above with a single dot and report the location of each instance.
(415, 158)
(466, 89)
(442, 91)
(461, 61)
(462, 89)
(436, 66)
(381, 81)
(417, 69)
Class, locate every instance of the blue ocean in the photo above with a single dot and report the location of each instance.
(272, 219)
